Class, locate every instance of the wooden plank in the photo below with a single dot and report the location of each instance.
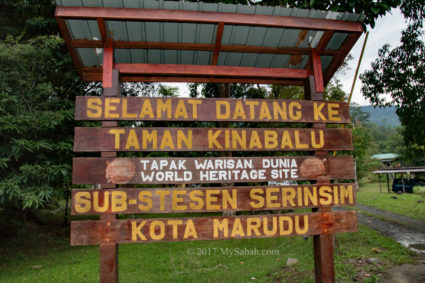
(209, 199)
(94, 232)
(208, 70)
(102, 30)
(210, 139)
(95, 74)
(324, 40)
(209, 109)
(94, 170)
(317, 70)
(108, 62)
(108, 262)
(322, 244)
(108, 252)
(218, 38)
(339, 58)
(323, 249)
(119, 44)
(164, 15)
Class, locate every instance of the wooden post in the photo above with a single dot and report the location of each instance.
(402, 182)
(108, 259)
(380, 186)
(388, 183)
(224, 92)
(323, 245)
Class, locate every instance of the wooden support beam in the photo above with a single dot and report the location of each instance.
(95, 74)
(164, 15)
(339, 58)
(388, 183)
(115, 89)
(218, 38)
(317, 71)
(102, 29)
(323, 247)
(326, 37)
(164, 45)
(209, 80)
(322, 244)
(181, 70)
(108, 257)
(108, 62)
(88, 43)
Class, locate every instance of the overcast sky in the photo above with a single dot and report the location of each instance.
(387, 30)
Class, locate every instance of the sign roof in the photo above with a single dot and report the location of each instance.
(204, 34)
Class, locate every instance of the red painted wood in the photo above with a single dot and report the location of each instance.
(326, 37)
(102, 30)
(210, 80)
(164, 45)
(133, 14)
(87, 43)
(317, 71)
(339, 58)
(95, 74)
(218, 38)
(204, 70)
(108, 62)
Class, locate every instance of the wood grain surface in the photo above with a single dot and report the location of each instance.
(209, 109)
(94, 232)
(210, 139)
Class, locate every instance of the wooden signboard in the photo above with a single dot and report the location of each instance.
(210, 139)
(210, 199)
(314, 139)
(95, 232)
(209, 109)
(92, 170)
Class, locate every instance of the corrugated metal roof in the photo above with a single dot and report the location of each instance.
(385, 156)
(399, 170)
(138, 31)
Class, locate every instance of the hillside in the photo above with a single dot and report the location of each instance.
(382, 116)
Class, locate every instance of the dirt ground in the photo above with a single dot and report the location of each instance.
(407, 231)
(405, 273)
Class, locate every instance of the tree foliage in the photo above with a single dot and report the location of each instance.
(38, 85)
(371, 9)
(37, 89)
(398, 77)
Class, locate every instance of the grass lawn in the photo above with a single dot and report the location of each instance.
(43, 254)
(405, 204)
